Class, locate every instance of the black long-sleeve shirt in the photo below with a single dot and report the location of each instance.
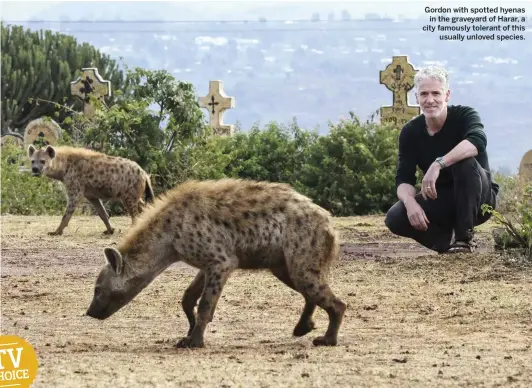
(418, 148)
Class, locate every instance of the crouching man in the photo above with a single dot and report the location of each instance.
(448, 143)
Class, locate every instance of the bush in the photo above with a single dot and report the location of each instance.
(352, 170)
(275, 153)
(514, 214)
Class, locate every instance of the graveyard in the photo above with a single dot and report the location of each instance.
(414, 317)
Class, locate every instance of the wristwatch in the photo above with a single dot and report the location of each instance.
(441, 162)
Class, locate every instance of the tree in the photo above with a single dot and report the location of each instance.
(161, 140)
(39, 65)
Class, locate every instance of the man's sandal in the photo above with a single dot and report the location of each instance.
(460, 247)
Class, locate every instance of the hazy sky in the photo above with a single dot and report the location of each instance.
(23, 10)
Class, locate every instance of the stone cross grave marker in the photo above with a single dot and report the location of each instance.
(398, 77)
(90, 83)
(525, 168)
(216, 102)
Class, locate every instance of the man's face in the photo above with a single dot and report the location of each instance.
(431, 97)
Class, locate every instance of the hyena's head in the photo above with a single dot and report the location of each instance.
(114, 287)
(41, 160)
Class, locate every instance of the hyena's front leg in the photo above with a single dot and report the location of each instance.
(74, 195)
(190, 299)
(215, 279)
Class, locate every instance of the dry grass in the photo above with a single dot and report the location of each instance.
(415, 319)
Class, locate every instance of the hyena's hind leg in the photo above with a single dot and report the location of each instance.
(132, 207)
(308, 281)
(191, 297)
(100, 210)
(305, 324)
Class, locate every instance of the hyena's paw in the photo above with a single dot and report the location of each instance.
(303, 328)
(324, 341)
(189, 342)
(109, 231)
(55, 233)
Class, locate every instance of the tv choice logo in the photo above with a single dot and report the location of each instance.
(18, 362)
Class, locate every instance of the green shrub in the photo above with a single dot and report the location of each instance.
(514, 215)
(274, 153)
(352, 170)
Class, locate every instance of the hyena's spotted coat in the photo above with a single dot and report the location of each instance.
(95, 176)
(217, 227)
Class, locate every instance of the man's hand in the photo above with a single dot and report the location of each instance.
(428, 186)
(416, 215)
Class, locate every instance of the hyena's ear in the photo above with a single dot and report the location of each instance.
(115, 259)
(31, 150)
(50, 151)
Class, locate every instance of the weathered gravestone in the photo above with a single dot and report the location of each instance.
(90, 83)
(216, 102)
(398, 77)
(525, 169)
(41, 132)
(12, 138)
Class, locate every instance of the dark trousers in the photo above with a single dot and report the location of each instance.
(457, 207)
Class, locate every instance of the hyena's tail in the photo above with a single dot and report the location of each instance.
(148, 191)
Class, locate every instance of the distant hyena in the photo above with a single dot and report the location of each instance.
(95, 176)
(217, 227)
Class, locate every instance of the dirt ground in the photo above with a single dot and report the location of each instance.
(414, 318)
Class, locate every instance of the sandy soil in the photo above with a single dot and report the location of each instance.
(414, 318)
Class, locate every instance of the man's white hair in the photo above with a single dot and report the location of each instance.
(432, 72)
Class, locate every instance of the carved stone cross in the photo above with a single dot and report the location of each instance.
(90, 83)
(216, 102)
(398, 72)
(398, 77)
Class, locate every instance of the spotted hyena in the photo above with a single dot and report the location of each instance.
(95, 176)
(217, 227)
